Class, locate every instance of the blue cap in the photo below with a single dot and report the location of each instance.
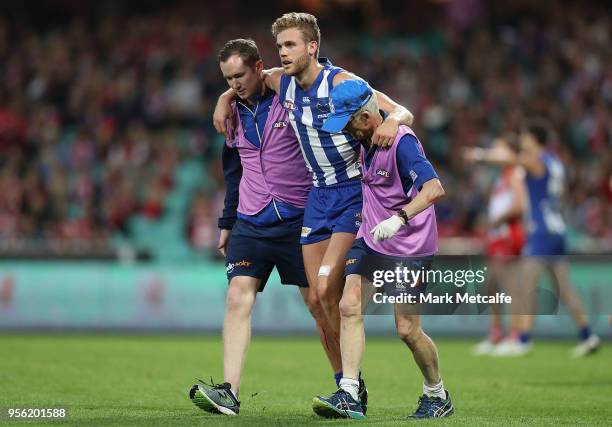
(345, 100)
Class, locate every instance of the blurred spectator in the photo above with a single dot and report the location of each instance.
(202, 222)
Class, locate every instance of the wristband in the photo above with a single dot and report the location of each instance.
(403, 215)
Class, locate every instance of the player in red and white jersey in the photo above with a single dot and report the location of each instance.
(505, 240)
(506, 237)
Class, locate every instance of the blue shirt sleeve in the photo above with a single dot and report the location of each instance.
(412, 163)
(232, 173)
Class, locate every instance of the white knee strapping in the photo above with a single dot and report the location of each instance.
(324, 270)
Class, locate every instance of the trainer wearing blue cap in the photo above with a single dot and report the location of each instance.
(349, 97)
(398, 227)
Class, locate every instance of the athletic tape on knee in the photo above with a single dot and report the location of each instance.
(324, 270)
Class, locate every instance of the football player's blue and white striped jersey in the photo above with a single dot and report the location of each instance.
(332, 158)
(545, 213)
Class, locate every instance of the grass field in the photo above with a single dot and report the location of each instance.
(131, 380)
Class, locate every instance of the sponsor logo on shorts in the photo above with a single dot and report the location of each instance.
(306, 231)
(243, 263)
(289, 105)
(230, 266)
(382, 172)
(351, 261)
(280, 124)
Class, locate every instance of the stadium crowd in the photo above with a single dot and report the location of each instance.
(97, 116)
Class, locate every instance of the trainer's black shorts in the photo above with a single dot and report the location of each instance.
(255, 250)
(382, 270)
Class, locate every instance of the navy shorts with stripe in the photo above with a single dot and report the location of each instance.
(334, 209)
(254, 251)
(368, 263)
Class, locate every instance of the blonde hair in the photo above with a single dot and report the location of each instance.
(305, 22)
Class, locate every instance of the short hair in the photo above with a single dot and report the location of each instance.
(305, 22)
(540, 129)
(244, 48)
(371, 107)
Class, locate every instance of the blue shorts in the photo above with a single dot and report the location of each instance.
(254, 251)
(545, 245)
(372, 265)
(331, 210)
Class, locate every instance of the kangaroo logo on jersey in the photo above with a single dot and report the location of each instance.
(289, 105)
(324, 107)
(382, 172)
(279, 125)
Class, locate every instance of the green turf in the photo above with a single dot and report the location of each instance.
(128, 380)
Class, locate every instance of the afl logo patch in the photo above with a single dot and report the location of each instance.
(279, 125)
(382, 172)
(289, 105)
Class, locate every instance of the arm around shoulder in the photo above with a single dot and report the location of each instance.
(272, 78)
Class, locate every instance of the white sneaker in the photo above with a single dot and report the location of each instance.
(483, 348)
(511, 348)
(586, 347)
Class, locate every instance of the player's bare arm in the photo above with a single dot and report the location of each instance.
(503, 156)
(494, 156)
(272, 78)
(397, 114)
(223, 113)
(431, 192)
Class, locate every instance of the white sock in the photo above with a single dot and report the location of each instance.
(436, 390)
(351, 386)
